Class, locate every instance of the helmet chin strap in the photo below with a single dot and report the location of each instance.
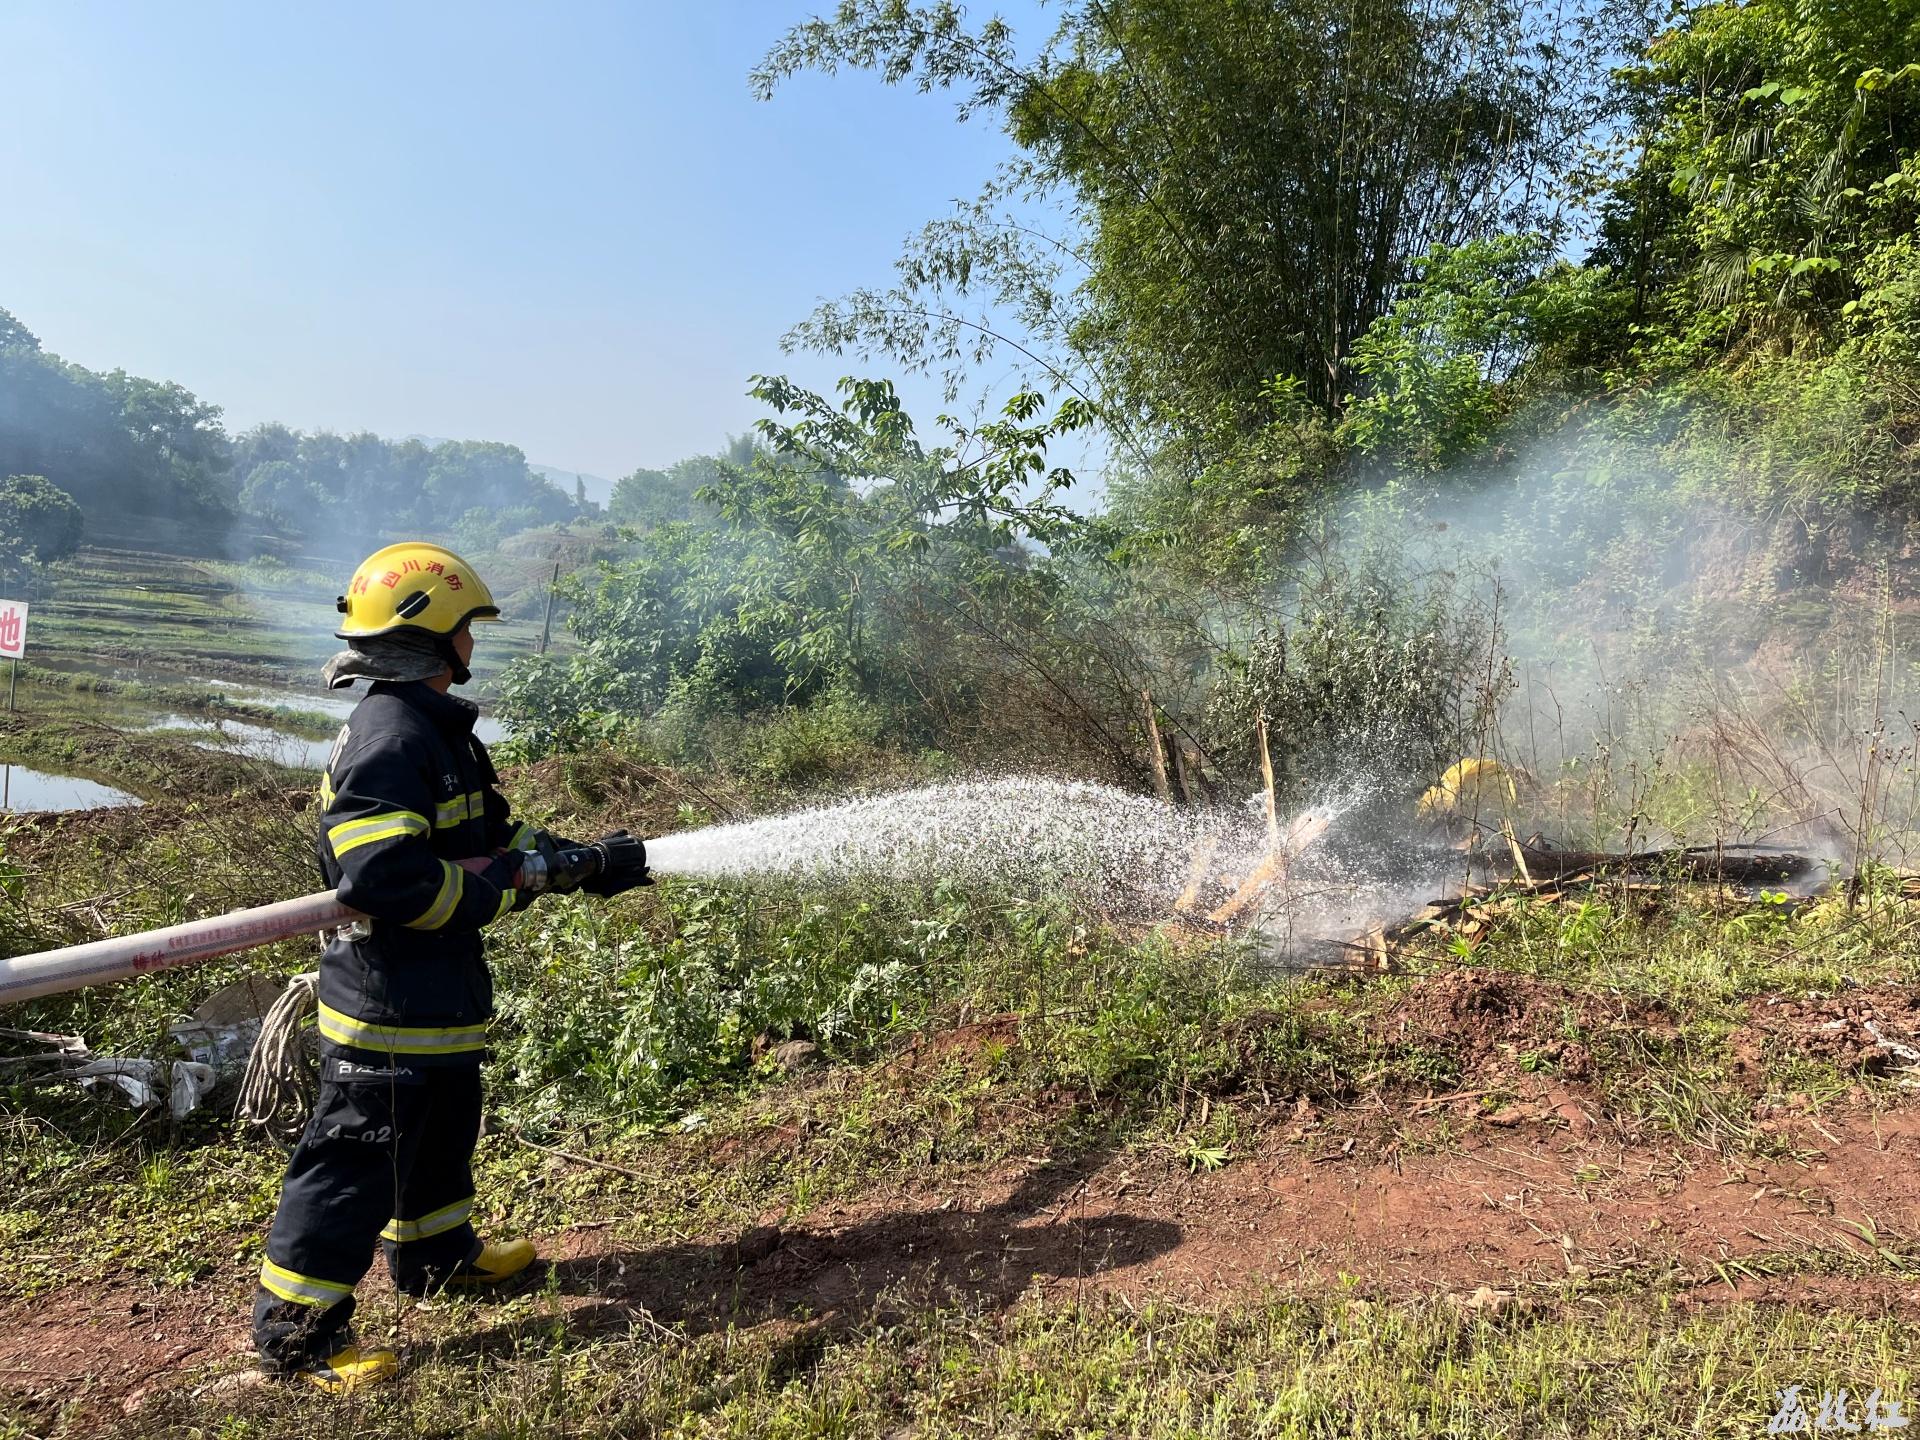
(461, 674)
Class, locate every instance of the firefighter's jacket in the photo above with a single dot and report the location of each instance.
(408, 792)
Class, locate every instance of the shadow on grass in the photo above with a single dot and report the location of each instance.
(829, 1281)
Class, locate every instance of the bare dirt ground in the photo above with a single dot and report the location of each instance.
(1425, 1200)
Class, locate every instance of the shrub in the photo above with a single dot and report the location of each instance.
(834, 738)
(599, 1015)
(1371, 683)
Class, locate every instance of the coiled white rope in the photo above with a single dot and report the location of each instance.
(281, 1080)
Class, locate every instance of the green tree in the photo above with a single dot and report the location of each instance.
(1252, 182)
(845, 557)
(464, 474)
(347, 491)
(283, 492)
(39, 522)
(1775, 190)
(181, 438)
(120, 445)
(636, 495)
(1439, 370)
(660, 497)
(861, 506)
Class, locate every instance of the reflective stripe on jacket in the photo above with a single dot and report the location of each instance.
(408, 792)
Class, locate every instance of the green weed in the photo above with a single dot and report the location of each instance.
(1341, 1364)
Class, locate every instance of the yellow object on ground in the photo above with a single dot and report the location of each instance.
(1467, 784)
(347, 1370)
(494, 1264)
(413, 586)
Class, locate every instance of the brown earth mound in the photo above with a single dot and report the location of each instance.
(1872, 1031)
(596, 790)
(1488, 1020)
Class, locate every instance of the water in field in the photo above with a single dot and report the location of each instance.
(336, 704)
(24, 791)
(255, 740)
(488, 730)
(314, 699)
(255, 634)
(264, 741)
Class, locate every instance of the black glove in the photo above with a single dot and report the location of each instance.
(503, 871)
(555, 866)
(623, 865)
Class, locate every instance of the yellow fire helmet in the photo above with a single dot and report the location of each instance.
(413, 585)
(1467, 783)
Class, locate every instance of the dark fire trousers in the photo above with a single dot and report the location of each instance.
(387, 1156)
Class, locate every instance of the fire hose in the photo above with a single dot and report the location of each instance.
(609, 864)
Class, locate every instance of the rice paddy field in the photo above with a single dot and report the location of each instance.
(134, 653)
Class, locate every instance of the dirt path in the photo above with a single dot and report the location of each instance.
(1507, 1206)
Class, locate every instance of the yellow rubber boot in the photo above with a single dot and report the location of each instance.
(345, 1371)
(494, 1265)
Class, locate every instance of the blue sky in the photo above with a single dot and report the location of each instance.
(569, 227)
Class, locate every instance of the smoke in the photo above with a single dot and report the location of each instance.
(1678, 668)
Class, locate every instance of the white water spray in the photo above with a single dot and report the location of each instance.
(1121, 852)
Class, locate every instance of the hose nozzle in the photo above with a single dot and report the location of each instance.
(607, 866)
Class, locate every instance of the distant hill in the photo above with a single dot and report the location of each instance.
(599, 488)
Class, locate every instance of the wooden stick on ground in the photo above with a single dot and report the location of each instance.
(1187, 773)
(1305, 829)
(1519, 854)
(577, 1159)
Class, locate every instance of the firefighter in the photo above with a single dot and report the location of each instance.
(416, 835)
(1471, 786)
